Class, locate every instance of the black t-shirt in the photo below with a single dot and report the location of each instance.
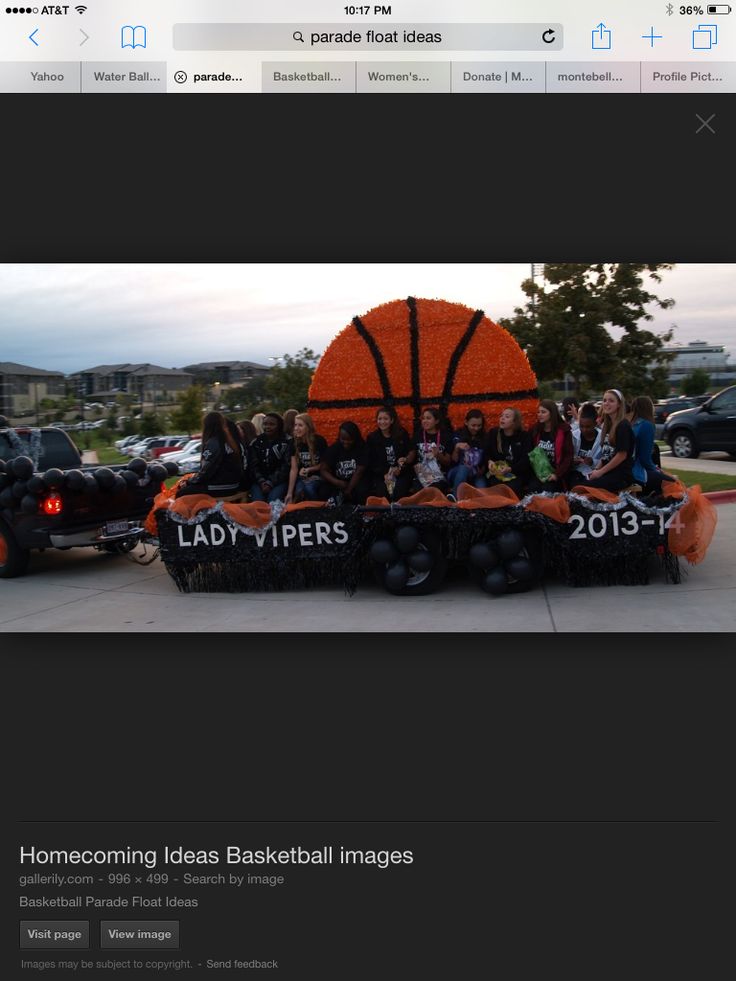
(384, 452)
(624, 442)
(304, 459)
(547, 443)
(514, 449)
(344, 462)
(474, 456)
(422, 442)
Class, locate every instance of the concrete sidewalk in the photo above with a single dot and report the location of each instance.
(706, 463)
(84, 590)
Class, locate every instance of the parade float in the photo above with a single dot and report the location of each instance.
(410, 354)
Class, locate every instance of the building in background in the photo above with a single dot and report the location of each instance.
(142, 382)
(226, 373)
(713, 358)
(22, 388)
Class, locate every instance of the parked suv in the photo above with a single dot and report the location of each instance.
(711, 426)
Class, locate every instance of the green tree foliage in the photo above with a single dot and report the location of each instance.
(696, 383)
(565, 327)
(187, 416)
(247, 396)
(150, 425)
(287, 384)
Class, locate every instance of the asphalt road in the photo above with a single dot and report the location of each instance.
(83, 590)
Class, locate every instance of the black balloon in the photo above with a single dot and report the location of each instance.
(483, 556)
(90, 484)
(53, 477)
(158, 471)
(131, 479)
(384, 551)
(2, 466)
(407, 539)
(421, 561)
(397, 575)
(20, 488)
(36, 485)
(105, 478)
(509, 543)
(119, 484)
(22, 467)
(138, 465)
(6, 498)
(4, 480)
(494, 582)
(172, 469)
(520, 568)
(29, 504)
(74, 480)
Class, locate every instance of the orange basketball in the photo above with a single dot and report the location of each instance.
(410, 354)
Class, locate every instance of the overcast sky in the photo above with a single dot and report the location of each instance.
(68, 317)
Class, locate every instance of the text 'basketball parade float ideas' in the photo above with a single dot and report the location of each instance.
(415, 482)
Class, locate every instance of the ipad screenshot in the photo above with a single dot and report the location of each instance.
(367, 489)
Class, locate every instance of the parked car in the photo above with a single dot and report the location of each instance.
(190, 464)
(711, 426)
(188, 449)
(120, 444)
(162, 443)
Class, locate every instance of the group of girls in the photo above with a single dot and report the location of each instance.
(610, 449)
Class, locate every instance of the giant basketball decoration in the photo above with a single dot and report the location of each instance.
(411, 354)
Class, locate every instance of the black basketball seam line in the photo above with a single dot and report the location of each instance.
(457, 354)
(526, 393)
(414, 357)
(375, 351)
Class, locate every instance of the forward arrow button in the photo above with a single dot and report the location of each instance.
(85, 38)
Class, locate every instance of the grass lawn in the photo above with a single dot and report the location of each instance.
(707, 481)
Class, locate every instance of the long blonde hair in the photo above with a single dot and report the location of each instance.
(518, 424)
(257, 421)
(610, 424)
(310, 437)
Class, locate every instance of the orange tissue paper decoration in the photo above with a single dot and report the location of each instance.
(415, 353)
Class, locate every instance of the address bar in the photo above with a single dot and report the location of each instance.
(368, 37)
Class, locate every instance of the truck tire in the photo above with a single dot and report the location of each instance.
(13, 558)
(683, 445)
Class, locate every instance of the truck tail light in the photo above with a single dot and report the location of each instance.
(52, 504)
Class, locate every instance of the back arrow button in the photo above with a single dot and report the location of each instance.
(32, 37)
(85, 38)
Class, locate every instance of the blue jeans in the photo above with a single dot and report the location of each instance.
(309, 488)
(277, 493)
(460, 474)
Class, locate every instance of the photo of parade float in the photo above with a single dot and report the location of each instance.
(430, 442)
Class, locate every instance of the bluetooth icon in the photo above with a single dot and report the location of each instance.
(670, 9)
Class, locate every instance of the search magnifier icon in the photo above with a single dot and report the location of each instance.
(298, 36)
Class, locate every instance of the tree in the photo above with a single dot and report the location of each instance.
(250, 394)
(187, 416)
(565, 326)
(287, 384)
(696, 383)
(150, 425)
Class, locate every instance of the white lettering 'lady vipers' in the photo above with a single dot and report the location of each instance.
(279, 536)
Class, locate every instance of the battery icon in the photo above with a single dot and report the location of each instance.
(719, 8)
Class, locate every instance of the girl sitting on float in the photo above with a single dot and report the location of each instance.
(468, 452)
(646, 471)
(270, 456)
(586, 444)
(507, 452)
(552, 434)
(308, 451)
(221, 466)
(344, 466)
(430, 452)
(614, 471)
(388, 447)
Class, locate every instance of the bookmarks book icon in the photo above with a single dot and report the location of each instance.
(133, 37)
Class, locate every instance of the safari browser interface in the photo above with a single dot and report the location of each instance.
(182, 46)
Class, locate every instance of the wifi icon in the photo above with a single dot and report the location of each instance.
(80, 10)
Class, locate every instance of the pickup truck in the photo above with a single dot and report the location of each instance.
(49, 499)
